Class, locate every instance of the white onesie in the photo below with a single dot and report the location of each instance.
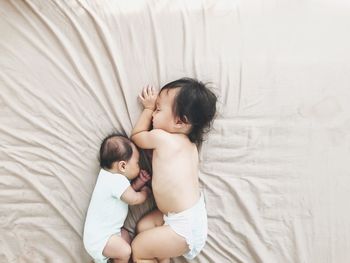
(106, 213)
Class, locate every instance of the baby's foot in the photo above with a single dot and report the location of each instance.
(141, 180)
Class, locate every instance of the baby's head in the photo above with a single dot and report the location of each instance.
(185, 106)
(118, 154)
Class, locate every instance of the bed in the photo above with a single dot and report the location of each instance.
(274, 169)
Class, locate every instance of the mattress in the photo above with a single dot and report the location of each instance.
(274, 169)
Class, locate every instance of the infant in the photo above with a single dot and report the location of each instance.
(104, 237)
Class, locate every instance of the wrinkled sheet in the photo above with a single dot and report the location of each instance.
(275, 170)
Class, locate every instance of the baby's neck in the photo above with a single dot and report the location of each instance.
(114, 171)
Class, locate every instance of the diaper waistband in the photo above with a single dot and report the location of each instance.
(200, 204)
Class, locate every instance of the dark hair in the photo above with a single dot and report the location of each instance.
(115, 147)
(195, 104)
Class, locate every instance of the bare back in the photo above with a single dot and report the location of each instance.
(175, 174)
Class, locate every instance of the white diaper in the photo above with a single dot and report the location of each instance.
(191, 224)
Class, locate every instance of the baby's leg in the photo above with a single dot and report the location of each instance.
(125, 235)
(151, 220)
(141, 180)
(158, 243)
(117, 249)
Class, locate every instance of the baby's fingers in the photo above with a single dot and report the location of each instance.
(154, 90)
(144, 92)
(141, 97)
(150, 90)
(144, 175)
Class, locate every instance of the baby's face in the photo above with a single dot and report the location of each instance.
(132, 168)
(163, 117)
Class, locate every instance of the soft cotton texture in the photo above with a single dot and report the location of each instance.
(106, 213)
(275, 169)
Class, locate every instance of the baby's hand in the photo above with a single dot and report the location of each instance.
(148, 97)
(144, 175)
(141, 180)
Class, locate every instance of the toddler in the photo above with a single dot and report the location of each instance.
(180, 114)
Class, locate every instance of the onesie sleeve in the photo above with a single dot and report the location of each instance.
(119, 186)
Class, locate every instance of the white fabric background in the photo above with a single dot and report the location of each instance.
(275, 170)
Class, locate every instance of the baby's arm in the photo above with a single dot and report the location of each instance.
(141, 135)
(148, 99)
(141, 180)
(135, 198)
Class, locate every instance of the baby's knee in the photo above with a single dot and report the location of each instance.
(125, 253)
(142, 225)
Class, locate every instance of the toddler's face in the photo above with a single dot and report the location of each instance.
(132, 168)
(163, 117)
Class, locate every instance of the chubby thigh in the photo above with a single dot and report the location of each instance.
(159, 242)
(151, 220)
(117, 248)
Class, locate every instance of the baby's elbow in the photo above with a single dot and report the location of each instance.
(142, 140)
(140, 198)
(133, 201)
(132, 137)
(136, 138)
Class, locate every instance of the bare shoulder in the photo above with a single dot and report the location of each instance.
(150, 139)
(160, 133)
(167, 139)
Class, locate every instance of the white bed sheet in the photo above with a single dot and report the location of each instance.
(275, 170)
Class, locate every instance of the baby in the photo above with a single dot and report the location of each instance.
(104, 236)
(180, 114)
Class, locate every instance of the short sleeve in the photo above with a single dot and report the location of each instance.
(120, 184)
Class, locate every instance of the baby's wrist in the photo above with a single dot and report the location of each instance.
(149, 108)
(143, 179)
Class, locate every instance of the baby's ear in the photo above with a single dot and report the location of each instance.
(121, 166)
(182, 124)
(178, 120)
(179, 123)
